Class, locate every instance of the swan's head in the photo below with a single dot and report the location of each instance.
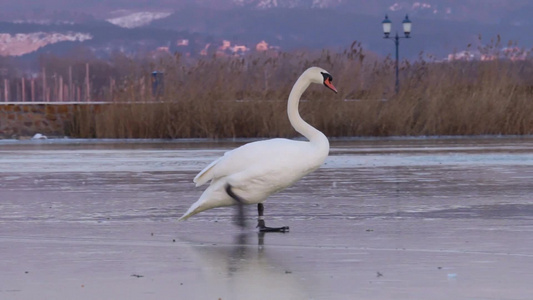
(320, 76)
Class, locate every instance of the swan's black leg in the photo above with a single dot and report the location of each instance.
(240, 217)
(261, 222)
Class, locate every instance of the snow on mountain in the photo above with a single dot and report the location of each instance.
(43, 22)
(138, 19)
(265, 4)
(416, 6)
(23, 43)
(326, 3)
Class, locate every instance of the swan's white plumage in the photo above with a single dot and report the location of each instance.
(257, 170)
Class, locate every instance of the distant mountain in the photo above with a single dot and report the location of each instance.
(102, 37)
(291, 28)
(485, 11)
(215, 26)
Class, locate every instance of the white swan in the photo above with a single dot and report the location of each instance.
(254, 171)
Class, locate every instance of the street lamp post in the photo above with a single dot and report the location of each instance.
(387, 26)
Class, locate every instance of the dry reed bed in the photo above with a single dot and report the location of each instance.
(246, 97)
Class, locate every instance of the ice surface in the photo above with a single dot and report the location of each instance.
(382, 219)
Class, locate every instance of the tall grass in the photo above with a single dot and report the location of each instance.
(219, 97)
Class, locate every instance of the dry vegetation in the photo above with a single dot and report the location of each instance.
(220, 97)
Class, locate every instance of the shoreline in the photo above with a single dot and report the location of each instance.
(69, 140)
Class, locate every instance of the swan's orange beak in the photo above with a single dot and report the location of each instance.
(328, 84)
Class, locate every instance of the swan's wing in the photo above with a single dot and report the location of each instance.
(233, 161)
(212, 171)
(256, 157)
(206, 174)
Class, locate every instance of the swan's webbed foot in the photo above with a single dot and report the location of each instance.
(261, 222)
(263, 228)
(240, 217)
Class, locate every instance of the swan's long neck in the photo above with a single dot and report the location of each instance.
(311, 133)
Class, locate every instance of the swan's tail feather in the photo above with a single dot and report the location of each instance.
(214, 196)
(193, 210)
(187, 215)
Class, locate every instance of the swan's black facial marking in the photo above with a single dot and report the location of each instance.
(327, 76)
(328, 81)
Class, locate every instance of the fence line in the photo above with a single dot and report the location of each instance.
(48, 87)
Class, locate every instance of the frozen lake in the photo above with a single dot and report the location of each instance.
(382, 219)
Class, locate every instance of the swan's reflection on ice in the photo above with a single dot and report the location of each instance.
(244, 269)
